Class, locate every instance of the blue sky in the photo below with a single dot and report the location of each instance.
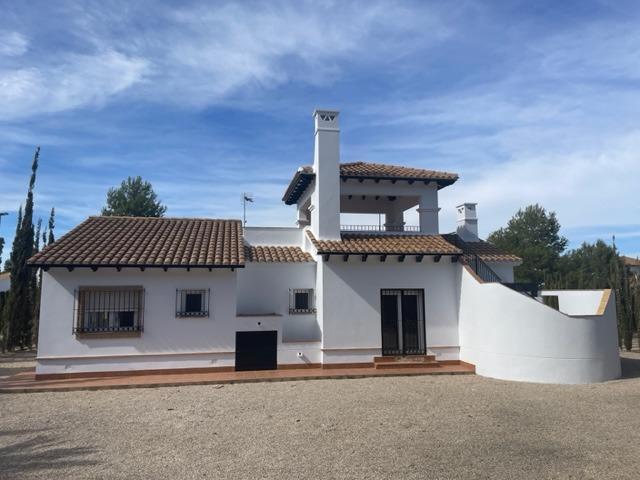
(527, 101)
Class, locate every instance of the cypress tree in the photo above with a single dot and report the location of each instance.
(19, 306)
(36, 283)
(52, 225)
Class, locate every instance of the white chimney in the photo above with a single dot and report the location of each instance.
(467, 222)
(325, 200)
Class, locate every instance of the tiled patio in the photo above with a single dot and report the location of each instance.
(26, 382)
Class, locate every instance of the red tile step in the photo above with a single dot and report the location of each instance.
(407, 361)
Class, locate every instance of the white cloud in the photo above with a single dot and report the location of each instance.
(204, 54)
(13, 44)
(215, 51)
(78, 80)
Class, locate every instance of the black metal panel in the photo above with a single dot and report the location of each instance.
(257, 350)
(390, 337)
(410, 325)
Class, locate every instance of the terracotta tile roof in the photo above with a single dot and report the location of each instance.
(148, 242)
(485, 250)
(275, 254)
(382, 171)
(305, 175)
(384, 243)
(630, 261)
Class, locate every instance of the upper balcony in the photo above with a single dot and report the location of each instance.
(380, 228)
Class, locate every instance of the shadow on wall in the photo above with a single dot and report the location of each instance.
(39, 452)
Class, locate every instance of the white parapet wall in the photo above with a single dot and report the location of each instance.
(510, 336)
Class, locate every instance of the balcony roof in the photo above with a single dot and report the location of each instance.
(385, 244)
(368, 171)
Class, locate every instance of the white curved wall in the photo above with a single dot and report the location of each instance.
(509, 336)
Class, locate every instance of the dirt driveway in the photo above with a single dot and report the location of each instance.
(408, 427)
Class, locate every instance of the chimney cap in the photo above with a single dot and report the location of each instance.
(320, 111)
(467, 204)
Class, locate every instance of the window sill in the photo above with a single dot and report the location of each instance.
(309, 311)
(124, 334)
(192, 315)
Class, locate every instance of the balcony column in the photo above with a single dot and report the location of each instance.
(428, 213)
(394, 219)
(303, 217)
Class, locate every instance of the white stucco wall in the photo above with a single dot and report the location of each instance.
(510, 336)
(264, 288)
(576, 302)
(503, 269)
(273, 236)
(350, 318)
(167, 341)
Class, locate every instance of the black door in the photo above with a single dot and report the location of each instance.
(402, 313)
(257, 350)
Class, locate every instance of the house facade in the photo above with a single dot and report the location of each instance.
(131, 294)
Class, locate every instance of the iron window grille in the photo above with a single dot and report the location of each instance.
(108, 309)
(301, 300)
(192, 303)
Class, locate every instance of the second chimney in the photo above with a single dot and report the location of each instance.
(467, 222)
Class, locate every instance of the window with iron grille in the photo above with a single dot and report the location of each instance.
(108, 309)
(192, 303)
(301, 300)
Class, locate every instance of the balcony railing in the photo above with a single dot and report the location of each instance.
(380, 228)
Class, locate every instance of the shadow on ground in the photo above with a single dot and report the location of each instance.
(630, 367)
(39, 451)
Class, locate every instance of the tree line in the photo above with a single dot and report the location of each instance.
(533, 234)
(20, 306)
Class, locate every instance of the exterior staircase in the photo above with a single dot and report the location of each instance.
(407, 361)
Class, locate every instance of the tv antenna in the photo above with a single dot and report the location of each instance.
(246, 198)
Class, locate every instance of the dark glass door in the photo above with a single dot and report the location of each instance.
(390, 322)
(402, 313)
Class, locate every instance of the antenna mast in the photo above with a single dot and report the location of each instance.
(246, 197)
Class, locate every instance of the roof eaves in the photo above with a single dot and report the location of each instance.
(441, 182)
(299, 183)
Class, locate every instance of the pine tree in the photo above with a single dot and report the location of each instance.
(18, 311)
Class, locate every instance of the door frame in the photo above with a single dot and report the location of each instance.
(400, 322)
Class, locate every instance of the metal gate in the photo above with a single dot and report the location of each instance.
(402, 318)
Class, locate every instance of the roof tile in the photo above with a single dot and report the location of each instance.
(276, 254)
(149, 242)
(385, 244)
(485, 250)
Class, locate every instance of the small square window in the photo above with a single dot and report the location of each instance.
(301, 300)
(192, 303)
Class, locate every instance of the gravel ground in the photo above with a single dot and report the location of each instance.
(407, 427)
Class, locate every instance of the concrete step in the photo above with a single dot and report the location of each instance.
(405, 358)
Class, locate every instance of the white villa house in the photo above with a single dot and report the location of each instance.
(139, 294)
